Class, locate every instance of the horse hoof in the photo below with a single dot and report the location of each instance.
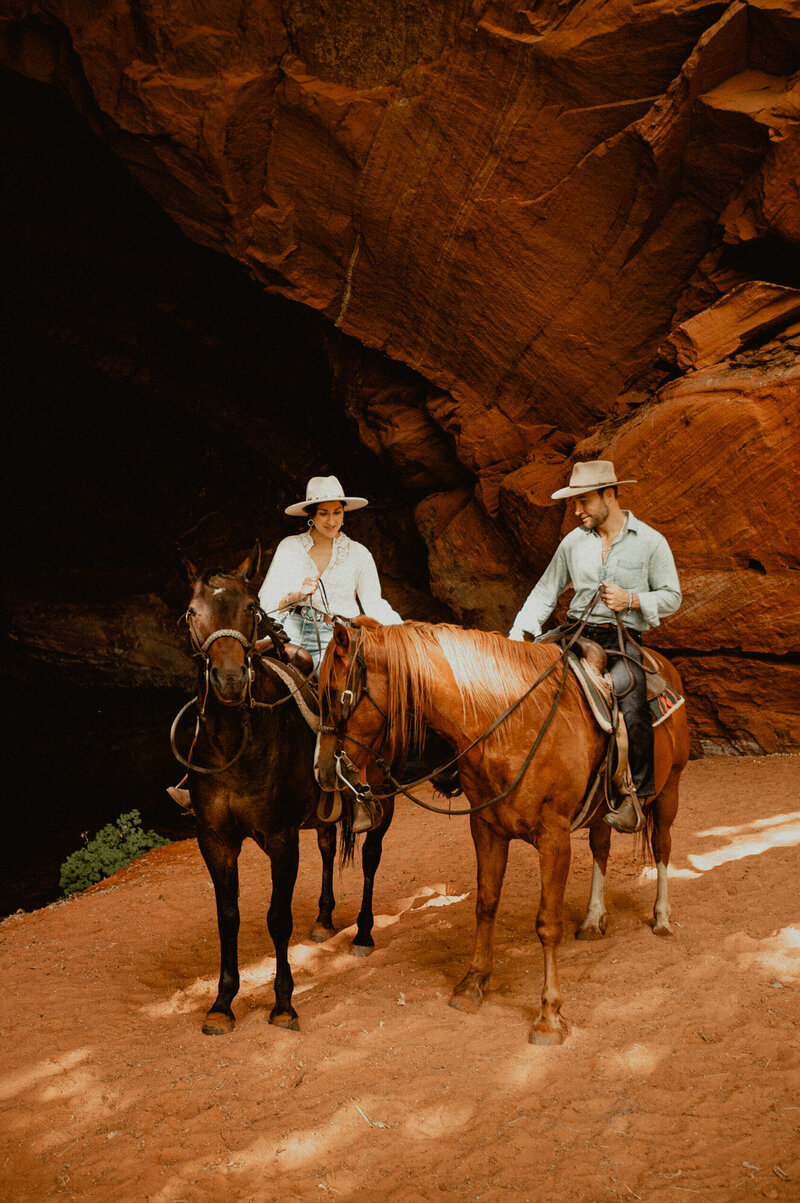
(548, 1035)
(218, 1024)
(320, 934)
(664, 930)
(361, 950)
(590, 933)
(466, 1003)
(285, 1020)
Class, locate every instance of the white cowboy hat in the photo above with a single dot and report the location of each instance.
(596, 474)
(324, 488)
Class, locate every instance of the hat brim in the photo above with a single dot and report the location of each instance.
(298, 510)
(579, 490)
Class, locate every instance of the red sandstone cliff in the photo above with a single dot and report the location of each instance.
(536, 233)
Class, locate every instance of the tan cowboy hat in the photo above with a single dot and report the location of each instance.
(324, 488)
(594, 475)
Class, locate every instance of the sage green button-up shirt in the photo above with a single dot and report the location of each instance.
(639, 560)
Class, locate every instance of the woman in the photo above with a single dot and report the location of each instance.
(321, 573)
(314, 577)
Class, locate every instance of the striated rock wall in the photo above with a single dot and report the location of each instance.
(533, 234)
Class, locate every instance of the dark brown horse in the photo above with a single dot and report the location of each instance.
(257, 751)
(458, 682)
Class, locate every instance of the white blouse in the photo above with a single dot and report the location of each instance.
(350, 577)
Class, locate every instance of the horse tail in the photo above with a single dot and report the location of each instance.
(347, 841)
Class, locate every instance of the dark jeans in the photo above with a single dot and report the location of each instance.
(634, 705)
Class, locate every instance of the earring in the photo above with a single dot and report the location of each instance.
(310, 523)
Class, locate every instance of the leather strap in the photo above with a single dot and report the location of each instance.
(296, 683)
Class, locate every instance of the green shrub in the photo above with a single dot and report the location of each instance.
(114, 846)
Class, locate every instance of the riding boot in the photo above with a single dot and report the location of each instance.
(628, 818)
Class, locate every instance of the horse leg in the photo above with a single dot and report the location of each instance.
(363, 943)
(554, 856)
(222, 860)
(491, 850)
(323, 927)
(284, 858)
(595, 921)
(665, 808)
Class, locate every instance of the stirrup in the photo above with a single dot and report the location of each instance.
(329, 807)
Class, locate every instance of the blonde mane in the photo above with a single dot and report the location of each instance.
(489, 671)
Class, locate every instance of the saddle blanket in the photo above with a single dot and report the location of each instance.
(664, 704)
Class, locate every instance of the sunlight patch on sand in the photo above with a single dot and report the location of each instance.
(636, 1059)
(777, 955)
(15, 1083)
(435, 1122)
(524, 1070)
(749, 839)
(650, 873)
(755, 825)
(295, 1150)
(311, 960)
(202, 991)
(444, 900)
(270, 1158)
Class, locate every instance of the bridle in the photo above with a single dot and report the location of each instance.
(247, 704)
(249, 645)
(355, 692)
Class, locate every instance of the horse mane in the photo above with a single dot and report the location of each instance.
(489, 671)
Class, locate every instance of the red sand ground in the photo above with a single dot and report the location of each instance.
(680, 1078)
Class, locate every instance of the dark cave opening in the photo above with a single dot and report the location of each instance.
(155, 397)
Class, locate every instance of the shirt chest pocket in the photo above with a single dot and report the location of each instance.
(627, 570)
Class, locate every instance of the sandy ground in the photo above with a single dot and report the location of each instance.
(680, 1077)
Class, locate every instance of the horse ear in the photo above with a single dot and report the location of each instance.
(249, 565)
(341, 636)
(186, 569)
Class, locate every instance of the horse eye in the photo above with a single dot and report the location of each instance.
(192, 612)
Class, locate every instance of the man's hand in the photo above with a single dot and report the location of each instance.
(617, 598)
(520, 635)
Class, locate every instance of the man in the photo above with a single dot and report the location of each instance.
(633, 566)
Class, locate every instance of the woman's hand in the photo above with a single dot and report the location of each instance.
(300, 595)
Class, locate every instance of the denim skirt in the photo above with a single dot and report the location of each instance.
(306, 632)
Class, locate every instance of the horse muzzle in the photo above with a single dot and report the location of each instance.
(229, 684)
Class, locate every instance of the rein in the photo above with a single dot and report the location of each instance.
(349, 705)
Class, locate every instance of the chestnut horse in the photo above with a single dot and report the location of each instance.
(379, 684)
(250, 774)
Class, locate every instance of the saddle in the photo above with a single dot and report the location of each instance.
(613, 777)
(663, 699)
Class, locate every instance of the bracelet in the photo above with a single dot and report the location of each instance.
(630, 601)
